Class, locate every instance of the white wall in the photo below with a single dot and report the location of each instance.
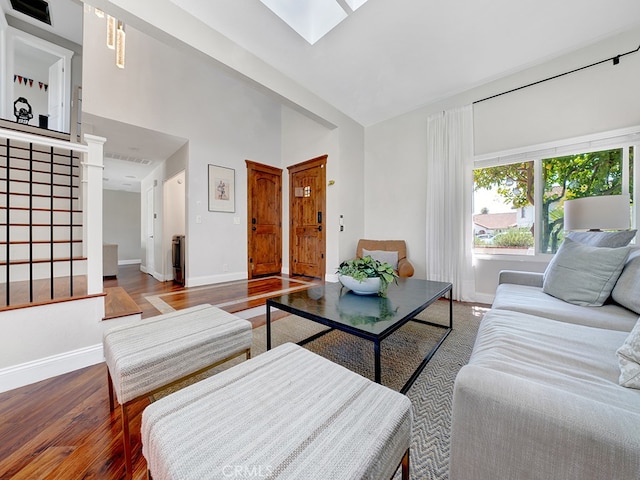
(152, 228)
(38, 98)
(225, 121)
(351, 186)
(170, 199)
(121, 223)
(174, 217)
(303, 139)
(48, 340)
(598, 99)
(395, 175)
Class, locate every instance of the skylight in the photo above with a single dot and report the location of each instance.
(312, 19)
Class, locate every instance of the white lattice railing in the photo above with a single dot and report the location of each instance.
(50, 213)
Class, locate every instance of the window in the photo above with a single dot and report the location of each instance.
(512, 197)
(504, 209)
(575, 176)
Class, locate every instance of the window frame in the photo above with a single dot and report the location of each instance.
(623, 138)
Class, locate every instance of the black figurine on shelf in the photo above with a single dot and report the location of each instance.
(22, 110)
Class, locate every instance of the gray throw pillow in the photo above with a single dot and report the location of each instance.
(627, 289)
(620, 238)
(629, 359)
(582, 274)
(384, 256)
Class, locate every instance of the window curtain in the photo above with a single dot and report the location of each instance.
(449, 200)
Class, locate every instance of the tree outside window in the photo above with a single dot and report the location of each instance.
(563, 178)
(507, 226)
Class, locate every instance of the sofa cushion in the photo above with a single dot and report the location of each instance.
(629, 359)
(627, 287)
(556, 354)
(540, 399)
(384, 256)
(620, 238)
(532, 300)
(582, 274)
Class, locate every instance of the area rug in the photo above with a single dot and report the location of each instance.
(402, 352)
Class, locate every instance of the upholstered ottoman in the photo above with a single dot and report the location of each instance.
(147, 356)
(285, 414)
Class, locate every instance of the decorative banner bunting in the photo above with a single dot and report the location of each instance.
(29, 81)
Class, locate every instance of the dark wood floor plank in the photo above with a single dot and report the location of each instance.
(118, 303)
(82, 414)
(42, 465)
(234, 296)
(20, 294)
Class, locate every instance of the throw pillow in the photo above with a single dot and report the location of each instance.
(390, 257)
(583, 275)
(627, 288)
(620, 238)
(629, 359)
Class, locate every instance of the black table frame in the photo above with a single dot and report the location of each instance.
(375, 338)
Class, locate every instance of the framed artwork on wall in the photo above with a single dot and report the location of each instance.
(222, 195)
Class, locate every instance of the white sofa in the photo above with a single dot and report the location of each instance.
(540, 397)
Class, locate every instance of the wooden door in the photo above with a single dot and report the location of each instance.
(264, 219)
(307, 198)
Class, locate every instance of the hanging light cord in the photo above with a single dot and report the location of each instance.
(615, 60)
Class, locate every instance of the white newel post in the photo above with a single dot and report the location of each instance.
(92, 168)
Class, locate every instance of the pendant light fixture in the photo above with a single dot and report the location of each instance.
(120, 47)
(111, 32)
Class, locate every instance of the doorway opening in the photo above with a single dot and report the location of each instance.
(41, 73)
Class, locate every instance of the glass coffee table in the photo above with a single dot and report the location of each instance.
(369, 317)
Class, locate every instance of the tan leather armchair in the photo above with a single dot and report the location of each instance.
(405, 269)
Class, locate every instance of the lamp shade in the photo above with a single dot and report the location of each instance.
(607, 212)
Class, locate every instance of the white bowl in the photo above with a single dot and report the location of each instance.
(369, 286)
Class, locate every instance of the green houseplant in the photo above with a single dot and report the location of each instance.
(361, 269)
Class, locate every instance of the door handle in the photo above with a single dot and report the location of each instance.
(319, 217)
(319, 228)
(253, 228)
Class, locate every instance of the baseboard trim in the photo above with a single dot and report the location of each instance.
(129, 262)
(483, 298)
(211, 279)
(331, 277)
(154, 274)
(43, 368)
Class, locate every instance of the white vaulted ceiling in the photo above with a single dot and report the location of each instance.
(392, 56)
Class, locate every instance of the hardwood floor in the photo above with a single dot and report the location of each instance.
(155, 297)
(61, 428)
